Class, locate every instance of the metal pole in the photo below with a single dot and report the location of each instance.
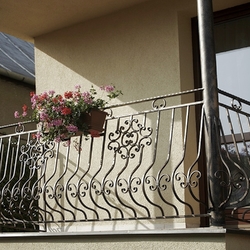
(210, 95)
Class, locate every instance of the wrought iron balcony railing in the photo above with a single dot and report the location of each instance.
(143, 171)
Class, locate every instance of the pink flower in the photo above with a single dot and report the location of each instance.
(51, 92)
(57, 139)
(108, 88)
(43, 116)
(16, 114)
(78, 87)
(33, 100)
(57, 122)
(56, 109)
(87, 97)
(36, 136)
(72, 128)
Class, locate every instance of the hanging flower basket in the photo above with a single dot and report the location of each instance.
(91, 122)
(70, 114)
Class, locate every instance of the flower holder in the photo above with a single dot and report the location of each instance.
(71, 114)
(95, 121)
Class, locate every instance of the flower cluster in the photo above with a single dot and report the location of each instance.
(60, 114)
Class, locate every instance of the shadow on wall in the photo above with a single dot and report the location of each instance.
(130, 49)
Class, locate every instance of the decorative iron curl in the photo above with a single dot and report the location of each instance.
(236, 179)
(195, 174)
(36, 191)
(130, 139)
(94, 186)
(49, 191)
(110, 184)
(59, 190)
(134, 183)
(83, 185)
(70, 188)
(7, 194)
(32, 212)
(160, 105)
(126, 153)
(19, 128)
(153, 186)
(146, 136)
(122, 130)
(219, 175)
(164, 178)
(124, 188)
(26, 193)
(34, 153)
(14, 194)
(182, 176)
(236, 106)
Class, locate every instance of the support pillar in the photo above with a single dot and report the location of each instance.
(210, 96)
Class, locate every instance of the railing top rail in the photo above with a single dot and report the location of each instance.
(233, 96)
(156, 97)
(15, 124)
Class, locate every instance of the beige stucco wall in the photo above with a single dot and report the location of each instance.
(146, 47)
(133, 49)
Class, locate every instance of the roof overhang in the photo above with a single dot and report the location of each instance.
(27, 19)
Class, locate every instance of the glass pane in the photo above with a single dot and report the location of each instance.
(233, 72)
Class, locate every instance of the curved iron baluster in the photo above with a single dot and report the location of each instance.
(177, 176)
(191, 173)
(83, 186)
(70, 186)
(94, 184)
(167, 178)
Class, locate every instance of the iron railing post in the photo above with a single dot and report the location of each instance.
(211, 108)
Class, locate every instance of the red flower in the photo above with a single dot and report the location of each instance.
(25, 108)
(68, 94)
(60, 98)
(66, 111)
(43, 97)
(55, 100)
(32, 94)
